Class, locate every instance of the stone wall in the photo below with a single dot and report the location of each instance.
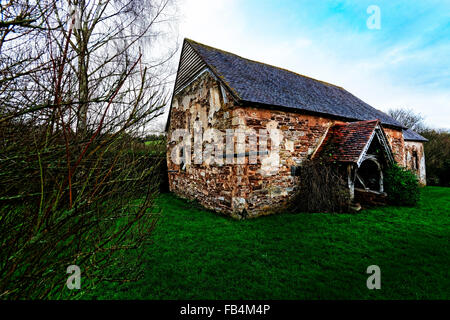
(395, 138)
(415, 159)
(270, 186)
(211, 185)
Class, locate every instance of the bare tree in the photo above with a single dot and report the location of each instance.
(408, 118)
(78, 82)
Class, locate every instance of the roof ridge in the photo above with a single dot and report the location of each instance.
(357, 122)
(374, 120)
(263, 63)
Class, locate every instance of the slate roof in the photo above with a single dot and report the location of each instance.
(410, 135)
(255, 82)
(346, 142)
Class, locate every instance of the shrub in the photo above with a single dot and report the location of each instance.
(402, 186)
(105, 229)
(321, 188)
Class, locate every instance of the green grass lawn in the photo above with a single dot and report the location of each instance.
(198, 254)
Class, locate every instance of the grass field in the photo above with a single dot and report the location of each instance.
(198, 254)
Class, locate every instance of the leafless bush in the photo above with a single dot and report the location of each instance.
(321, 188)
(77, 187)
(408, 118)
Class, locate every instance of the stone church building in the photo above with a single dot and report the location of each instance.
(220, 92)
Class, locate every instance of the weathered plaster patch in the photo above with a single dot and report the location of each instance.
(186, 101)
(214, 103)
(270, 164)
(239, 203)
(175, 104)
(289, 145)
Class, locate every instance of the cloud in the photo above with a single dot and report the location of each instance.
(388, 68)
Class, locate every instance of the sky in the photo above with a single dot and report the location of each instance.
(403, 63)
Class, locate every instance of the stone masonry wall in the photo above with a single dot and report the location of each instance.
(269, 187)
(211, 185)
(413, 149)
(395, 138)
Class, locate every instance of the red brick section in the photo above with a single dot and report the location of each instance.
(395, 138)
(345, 142)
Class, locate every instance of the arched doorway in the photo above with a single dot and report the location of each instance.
(369, 176)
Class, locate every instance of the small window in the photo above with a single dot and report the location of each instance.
(295, 171)
(183, 161)
(415, 160)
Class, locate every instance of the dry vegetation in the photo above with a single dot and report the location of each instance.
(76, 92)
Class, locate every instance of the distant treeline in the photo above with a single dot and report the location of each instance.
(437, 149)
(437, 153)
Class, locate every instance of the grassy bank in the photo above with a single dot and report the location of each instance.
(198, 254)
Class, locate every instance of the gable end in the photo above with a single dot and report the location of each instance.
(191, 65)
